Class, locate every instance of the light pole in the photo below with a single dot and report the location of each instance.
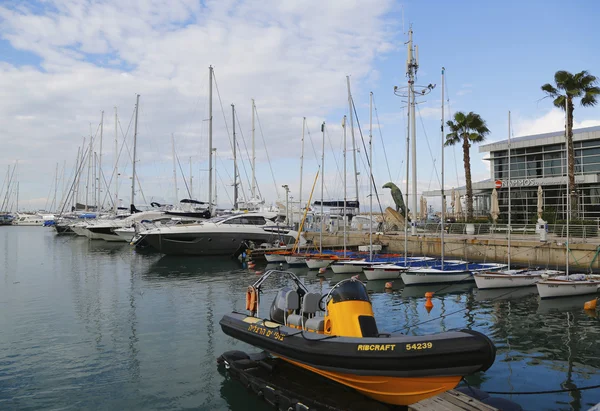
(287, 191)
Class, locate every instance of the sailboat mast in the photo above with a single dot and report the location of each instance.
(210, 136)
(442, 173)
(345, 183)
(408, 116)
(568, 188)
(301, 161)
(412, 67)
(322, 189)
(116, 205)
(371, 176)
(509, 202)
(191, 180)
(135, 127)
(78, 170)
(351, 107)
(235, 184)
(87, 184)
(253, 154)
(175, 199)
(99, 205)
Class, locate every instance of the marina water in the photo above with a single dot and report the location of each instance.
(94, 325)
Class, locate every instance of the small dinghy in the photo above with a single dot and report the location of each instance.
(335, 335)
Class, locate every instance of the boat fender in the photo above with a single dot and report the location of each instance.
(251, 300)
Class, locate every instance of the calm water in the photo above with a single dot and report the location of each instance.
(93, 325)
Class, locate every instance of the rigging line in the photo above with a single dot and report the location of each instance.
(428, 145)
(317, 158)
(337, 165)
(247, 153)
(368, 160)
(381, 138)
(223, 184)
(185, 179)
(137, 178)
(223, 111)
(450, 117)
(266, 152)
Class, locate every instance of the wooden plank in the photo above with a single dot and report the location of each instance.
(451, 401)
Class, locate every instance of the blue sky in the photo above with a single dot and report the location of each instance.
(62, 63)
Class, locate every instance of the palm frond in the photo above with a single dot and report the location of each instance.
(559, 102)
(550, 90)
(452, 139)
(589, 99)
(563, 78)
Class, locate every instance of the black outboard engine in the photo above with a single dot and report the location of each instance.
(278, 306)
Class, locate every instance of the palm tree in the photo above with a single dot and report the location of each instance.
(468, 129)
(569, 86)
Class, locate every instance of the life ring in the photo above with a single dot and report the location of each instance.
(251, 300)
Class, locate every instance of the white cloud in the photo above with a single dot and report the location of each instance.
(552, 120)
(291, 57)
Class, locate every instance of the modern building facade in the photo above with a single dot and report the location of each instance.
(540, 160)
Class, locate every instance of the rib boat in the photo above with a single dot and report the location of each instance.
(336, 336)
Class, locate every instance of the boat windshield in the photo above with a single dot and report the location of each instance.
(218, 219)
(350, 291)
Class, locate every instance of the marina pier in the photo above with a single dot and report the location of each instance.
(526, 250)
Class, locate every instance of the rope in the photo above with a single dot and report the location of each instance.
(590, 387)
(267, 153)
(381, 138)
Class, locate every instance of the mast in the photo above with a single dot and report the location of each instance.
(235, 169)
(509, 181)
(443, 197)
(99, 204)
(116, 206)
(17, 206)
(407, 170)
(412, 67)
(191, 180)
(322, 189)
(568, 188)
(78, 170)
(55, 188)
(253, 154)
(215, 150)
(87, 184)
(175, 199)
(302, 160)
(135, 127)
(210, 136)
(370, 176)
(351, 107)
(345, 183)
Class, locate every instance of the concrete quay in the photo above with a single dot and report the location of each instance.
(524, 250)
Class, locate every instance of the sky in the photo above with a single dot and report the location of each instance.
(64, 62)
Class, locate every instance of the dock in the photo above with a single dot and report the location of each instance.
(451, 401)
(525, 250)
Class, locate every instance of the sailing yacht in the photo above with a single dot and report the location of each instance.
(511, 278)
(574, 284)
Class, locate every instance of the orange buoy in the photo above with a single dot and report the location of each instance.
(388, 285)
(590, 305)
(322, 270)
(428, 302)
(258, 272)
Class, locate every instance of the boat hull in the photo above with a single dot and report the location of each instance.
(209, 243)
(295, 260)
(396, 369)
(316, 263)
(275, 258)
(558, 288)
(383, 273)
(354, 267)
(486, 281)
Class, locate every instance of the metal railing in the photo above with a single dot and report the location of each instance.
(517, 230)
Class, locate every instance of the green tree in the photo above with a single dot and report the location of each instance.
(469, 129)
(567, 87)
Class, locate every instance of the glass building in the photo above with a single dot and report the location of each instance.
(540, 160)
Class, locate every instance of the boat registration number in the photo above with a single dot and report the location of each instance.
(419, 346)
(266, 332)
